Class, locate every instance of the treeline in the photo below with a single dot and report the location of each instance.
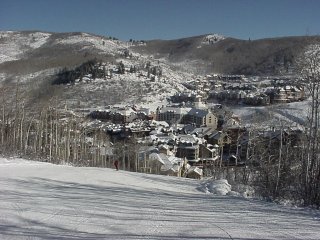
(96, 69)
(92, 67)
(290, 169)
(153, 71)
(273, 162)
(54, 135)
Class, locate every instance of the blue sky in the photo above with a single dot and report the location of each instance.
(164, 19)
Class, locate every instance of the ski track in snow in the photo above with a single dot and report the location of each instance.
(45, 201)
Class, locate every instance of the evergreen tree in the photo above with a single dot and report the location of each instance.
(121, 68)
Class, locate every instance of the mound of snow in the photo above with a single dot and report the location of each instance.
(219, 187)
(222, 187)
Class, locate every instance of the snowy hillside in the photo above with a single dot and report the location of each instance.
(88, 41)
(14, 44)
(36, 57)
(293, 114)
(126, 89)
(44, 201)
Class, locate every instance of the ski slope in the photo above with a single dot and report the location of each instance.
(45, 201)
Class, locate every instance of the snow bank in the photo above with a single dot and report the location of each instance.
(219, 187)
(222, 187)
(12, 161)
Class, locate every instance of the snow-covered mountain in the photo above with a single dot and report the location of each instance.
(220, 54)
(35, 58)
(15, 44)
(19, 45)
(211, 52)
(46, 201)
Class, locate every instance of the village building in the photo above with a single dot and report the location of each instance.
(121, 115)
(220, 138)
(124, 115)
(145, 163)
(208, 152)
(169, 165)
(194, 172)
(286, 94)
(183, 98)
(188, 147)
(201, 117)
(202, 132)
(260, 99)
(171, 114)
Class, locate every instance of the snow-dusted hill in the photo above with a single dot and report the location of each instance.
(219, 54)
(14, 44)
(206, 53)
(35, 58)
(293, 114)
(45, 201)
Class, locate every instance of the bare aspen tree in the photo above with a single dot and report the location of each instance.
(279, 160)
(4, 100)
(26, 143)
(51, 135)
(56, 142)
(310, 73)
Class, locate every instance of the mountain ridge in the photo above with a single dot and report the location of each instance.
(234, 56)
(36, 58)
(227, 55)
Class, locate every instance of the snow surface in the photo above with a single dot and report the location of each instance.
(89, 41)
(46, 201)
(294, 113)
(14, 44)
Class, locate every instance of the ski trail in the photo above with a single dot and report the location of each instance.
(39, 201)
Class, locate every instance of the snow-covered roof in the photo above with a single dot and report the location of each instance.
(216, 135)
(159, 123)
(188, 139)
(148, 149)
(202, 131)
(180, 111)
(198, 112)
(196, 170)
(126, 111)
(169, 162)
